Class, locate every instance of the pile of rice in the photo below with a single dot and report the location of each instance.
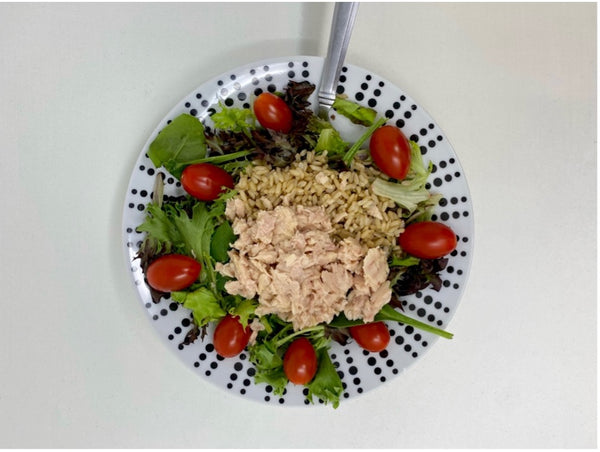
(346, 196)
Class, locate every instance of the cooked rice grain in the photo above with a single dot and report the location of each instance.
(346, 196)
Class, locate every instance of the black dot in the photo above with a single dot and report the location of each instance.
(359, 96)
(389, 363)
(163, 312)
(207, 373)
(210, 348)
(258, 91)
(214, 365)
(229, 101)
(170, 337)
(198, 96)
(413, 107)
(238, 366)
(193, 112)
(267, 398)
(271, 88)
(371, 361)
(174, 306)
(291, 74)
(407, 114)
(444, 216)
(241, 96)
(407, 348)
(368, 77)
(305, 74)
(251, 371)
(352, 370)
(399, 340)
(356, 381)
(421, 312)
(364, 86)
(437, 181)
(400, 123)
(403, 97)
(372, 103)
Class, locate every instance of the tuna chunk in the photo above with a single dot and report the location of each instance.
(289, 260)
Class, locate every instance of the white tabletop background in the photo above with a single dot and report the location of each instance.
(82, 86)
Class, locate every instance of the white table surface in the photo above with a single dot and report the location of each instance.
(82, 87)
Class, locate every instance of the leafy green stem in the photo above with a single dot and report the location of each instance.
(364, 137)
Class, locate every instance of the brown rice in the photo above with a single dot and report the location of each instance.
(346, 196)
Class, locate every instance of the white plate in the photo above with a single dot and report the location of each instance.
(360, 370)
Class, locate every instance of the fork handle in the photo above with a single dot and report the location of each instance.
(342, 23)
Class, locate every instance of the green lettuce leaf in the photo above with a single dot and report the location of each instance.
(410, 193)
(203, 303)
(234, 119)
(356, 113)
(326, 385)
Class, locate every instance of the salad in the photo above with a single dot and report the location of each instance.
(200, 248)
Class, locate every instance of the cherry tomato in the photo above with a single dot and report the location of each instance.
(373, 337)
(300, 361)
(172, 272)
(205, 181)
(273, 113)
(390, 151)
(427, 240)
(230, 337)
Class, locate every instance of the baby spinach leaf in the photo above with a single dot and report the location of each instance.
(221, 240)
(180, 143)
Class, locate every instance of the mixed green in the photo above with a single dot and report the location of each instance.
(186, 236)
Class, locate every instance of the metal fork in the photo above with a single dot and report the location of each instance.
(342, 23)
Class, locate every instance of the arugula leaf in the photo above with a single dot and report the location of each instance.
(356, 113)
(407, 261)
(327, 384)
(203, 303)
(389, 313)
(180, 143)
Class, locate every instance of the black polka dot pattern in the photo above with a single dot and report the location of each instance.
(359, 370)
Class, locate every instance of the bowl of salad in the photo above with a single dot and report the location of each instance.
(283, 261)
